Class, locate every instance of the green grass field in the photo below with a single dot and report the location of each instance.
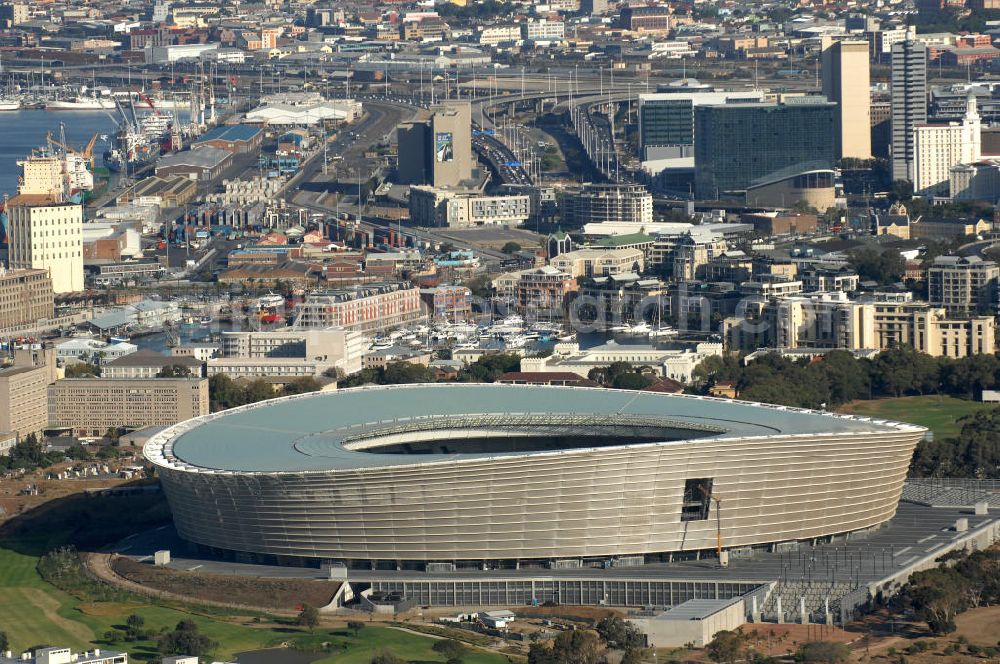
(34, 612)
(940, 414)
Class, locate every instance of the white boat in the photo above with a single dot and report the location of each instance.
(81, 103)
(661, 332)
(10, 104)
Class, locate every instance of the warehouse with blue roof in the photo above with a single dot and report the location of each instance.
(237, 138)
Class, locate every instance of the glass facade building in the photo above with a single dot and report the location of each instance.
(740, 146)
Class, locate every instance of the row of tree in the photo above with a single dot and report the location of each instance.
(961, 581)
(224, 392)
(592, 646)
(839, 378)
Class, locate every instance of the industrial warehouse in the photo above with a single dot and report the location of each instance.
(507, 476)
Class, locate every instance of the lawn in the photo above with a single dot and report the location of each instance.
(412, 647)
(35, 612)
(940, 414)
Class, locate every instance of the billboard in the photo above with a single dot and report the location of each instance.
(444, 146)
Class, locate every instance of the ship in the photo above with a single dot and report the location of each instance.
(58, 170)
(10, 104)
(105, 100)
(133, 147)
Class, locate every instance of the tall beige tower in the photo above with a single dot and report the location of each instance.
(846, 82)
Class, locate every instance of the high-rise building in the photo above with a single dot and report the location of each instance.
(846, 83)
(937, 148)
(593, 7)
(46, 235)
(773, 154)
(909, 102)
(438, 151)
(666, 119)
(963, 285)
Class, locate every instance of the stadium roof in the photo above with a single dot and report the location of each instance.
(307, 432)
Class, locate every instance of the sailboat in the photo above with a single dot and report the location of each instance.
(8, 102)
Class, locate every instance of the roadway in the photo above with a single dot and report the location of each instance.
(915, 533)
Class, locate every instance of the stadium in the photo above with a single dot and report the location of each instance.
(503, 475)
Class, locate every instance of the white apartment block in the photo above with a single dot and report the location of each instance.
(938, 148)
(599, 262)
(499, 34)
(430, 206)
(543, 30)
(47, 236)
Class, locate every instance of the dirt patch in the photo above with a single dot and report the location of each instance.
(588, 614)
(286, 594)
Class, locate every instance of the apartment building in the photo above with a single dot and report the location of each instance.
(963, 285)
(148, 364)
(90, 406)
(25, 297)
(319, 348)
(364, 308)
(832, 321)
(599, 203)
(45, 235)
(430, 206)
(24, 399)
(544, 291)
(543, 30)
(929, 330)
(599, 262)
(492, 35)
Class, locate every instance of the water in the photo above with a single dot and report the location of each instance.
(23, 131)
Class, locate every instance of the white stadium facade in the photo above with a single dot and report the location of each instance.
(507, 474)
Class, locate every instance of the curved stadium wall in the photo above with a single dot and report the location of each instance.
(503, 472)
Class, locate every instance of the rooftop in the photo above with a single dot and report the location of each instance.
(323, 432)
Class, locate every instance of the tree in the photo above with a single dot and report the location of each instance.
(386, 657)
(81, 370)
(632, 656)
(511, 248)
(355, 626)
(400, 373)
(174, 371)
(302, 385)
(308, 617)
(450, 648)
(4, 642)
(541, 653)
(886, 266)
(620, 634)
(186, 639)
(823, 652)
(578, 647)
(938, 595)
(726, 647)
(134, 624)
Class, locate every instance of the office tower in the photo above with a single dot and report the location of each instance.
(774, 154)
(846, 83)
(666, 120)
(937, 148)
(47, 235)
(437, 151)
(451, 127)
(593, 7)
(909, 102)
